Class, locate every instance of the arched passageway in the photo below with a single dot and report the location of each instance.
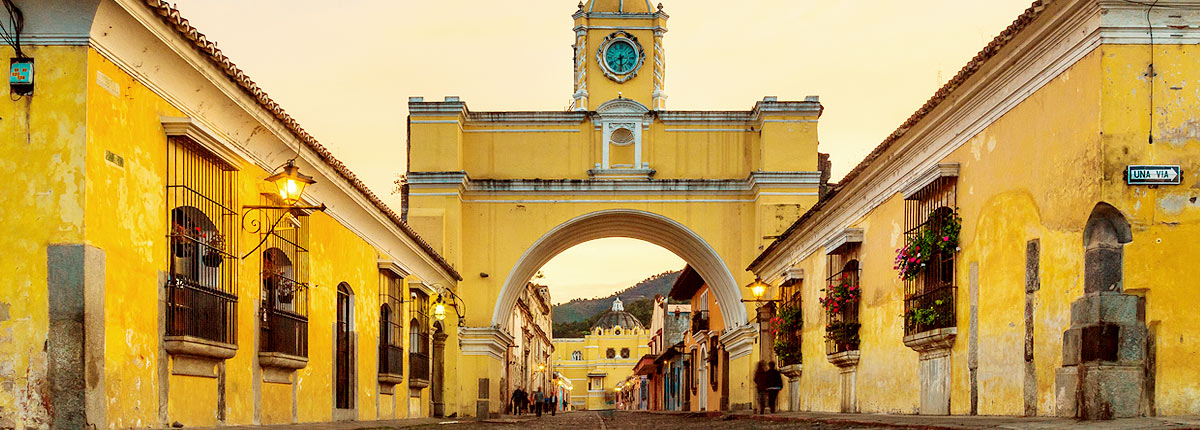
(635, 224)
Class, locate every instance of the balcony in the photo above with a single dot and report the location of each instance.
(699, 321)
(418, 366)
(200, 312)
(391, 364)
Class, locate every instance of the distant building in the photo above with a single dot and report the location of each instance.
(530, 365)
(705, 367)
(663, 366)
(602, 359)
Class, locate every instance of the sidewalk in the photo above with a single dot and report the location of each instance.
(974, 422)
(344, 425)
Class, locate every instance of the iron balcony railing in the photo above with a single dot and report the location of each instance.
(285, 320)
(418, 366)
(391, 360)
(199, 311)
(699, 321)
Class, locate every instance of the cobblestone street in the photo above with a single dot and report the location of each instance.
(606, 420)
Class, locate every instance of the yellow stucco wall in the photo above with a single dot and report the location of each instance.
(44, 204)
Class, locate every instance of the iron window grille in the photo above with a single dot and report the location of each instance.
(418, 356)
(611, 353)
(842, 327)
(789, 296)
(932, 292)
(714, 362)
(391, 328)
(201, 288)
(285, 266)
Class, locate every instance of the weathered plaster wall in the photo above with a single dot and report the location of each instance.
(1160, 262)
(45, 163)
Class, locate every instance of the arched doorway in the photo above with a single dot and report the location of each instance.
(343, 391)
(650, 227)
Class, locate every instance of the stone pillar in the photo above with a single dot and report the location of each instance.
(793, 373)
(1105, 349)
(439, 356)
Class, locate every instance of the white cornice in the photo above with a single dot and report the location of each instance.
(845, 237)
(486, 341)
(394, 267)
(933, 173)
(756, 183)
(739, 341)
(203, 136)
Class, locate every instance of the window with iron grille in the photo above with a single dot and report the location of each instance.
(284, 275)
(391, 326)
(202, 286)
(842, 296)
(418, 356)
(788, 324)
(929, 295)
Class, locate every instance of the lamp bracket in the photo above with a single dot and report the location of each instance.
(252, 224)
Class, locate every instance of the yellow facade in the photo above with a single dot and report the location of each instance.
(500, 193)
(89, 246)
(594, 376)
(1031, 165)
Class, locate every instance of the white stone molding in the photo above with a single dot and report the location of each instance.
(739, 340)
(659, 95)
(394, 267)
(206, 138)
(927, 177)
(651, 227)
(485, 341)
(844, 359)
(847, 236)
(932, 342)
(620, 36)
(793, 273)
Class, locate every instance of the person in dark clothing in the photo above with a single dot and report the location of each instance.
(774, 385)
(760, 383)
(518, 399)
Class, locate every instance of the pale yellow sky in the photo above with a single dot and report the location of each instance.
(345, 70)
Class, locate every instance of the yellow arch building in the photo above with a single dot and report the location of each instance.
(501, 193)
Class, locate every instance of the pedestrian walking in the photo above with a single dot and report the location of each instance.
(538, 401)
(552, 403)
(760, 383)
(518, 397)
(774, 385)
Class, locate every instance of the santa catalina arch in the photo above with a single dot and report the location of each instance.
(501, 193)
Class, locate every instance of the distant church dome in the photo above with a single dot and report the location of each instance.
(617, 317)
(622, 6)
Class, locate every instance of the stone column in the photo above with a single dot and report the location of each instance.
(436, 391)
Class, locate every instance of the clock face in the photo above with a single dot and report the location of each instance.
(621, 57)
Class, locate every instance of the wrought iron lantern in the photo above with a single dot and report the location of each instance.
(291, 183)
(758, 288)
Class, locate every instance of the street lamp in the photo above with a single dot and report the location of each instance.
(758, 288)
(439, 310)
(290, 184)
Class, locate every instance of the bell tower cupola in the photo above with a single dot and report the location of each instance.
(619, 53)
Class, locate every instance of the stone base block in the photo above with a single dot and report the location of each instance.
(482, 411)
(1066, 385)
(1099, 391)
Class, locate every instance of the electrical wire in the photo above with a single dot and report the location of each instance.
(17, 22)
(1150, 29)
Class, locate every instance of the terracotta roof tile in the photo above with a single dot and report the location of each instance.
(170, 15)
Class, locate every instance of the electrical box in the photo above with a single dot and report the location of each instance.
(20, 76)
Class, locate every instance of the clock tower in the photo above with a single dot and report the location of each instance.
(619, 53)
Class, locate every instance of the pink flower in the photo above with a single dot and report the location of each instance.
(945, 238)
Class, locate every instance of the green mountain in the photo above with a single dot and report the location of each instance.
(574, 318)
